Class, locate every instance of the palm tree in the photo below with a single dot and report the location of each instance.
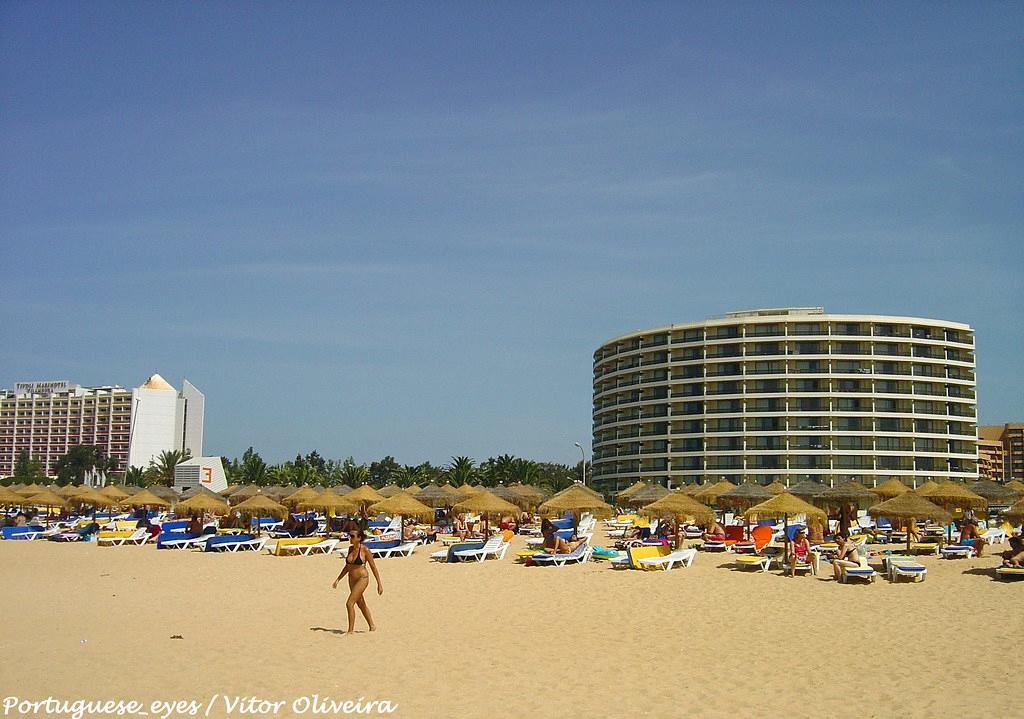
(252, 470)
(462, 470)
(524, 470)
(134, 476)
(162, 467)
(354, 474)
(408, 476)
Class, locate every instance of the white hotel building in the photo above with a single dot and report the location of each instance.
(131, 425)
(788, 394)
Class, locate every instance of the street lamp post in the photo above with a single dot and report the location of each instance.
(583, 467)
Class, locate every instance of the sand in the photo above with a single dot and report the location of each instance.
(503, 640)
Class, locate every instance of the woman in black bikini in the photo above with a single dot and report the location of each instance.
(356, 561)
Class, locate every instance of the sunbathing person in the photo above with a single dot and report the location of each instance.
(970, 536)
(714, 532)
(1014, 556)
(556, 545)
(847, 556)
(799, 552)
(459, 527)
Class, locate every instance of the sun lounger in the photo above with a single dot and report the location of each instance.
(925, 547)
(390, 549)
(120, 538)
(294, 545)
(1010, 572)
(907, 568)
(861, 572)
(495, 547)
(683, 557)
(994, 535)
(234, 543)
(761, 537)
(958, 551)
(24, 533)
(577, 556)
(753, 561)
(180, 540)
(448, 555)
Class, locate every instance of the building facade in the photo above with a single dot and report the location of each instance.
(787, 394)
(1001, 451)
(131, 426)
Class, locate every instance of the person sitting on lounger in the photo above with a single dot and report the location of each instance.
(195, 526)
(846, 556)
(20, 520)
(459, 527)
(799, 552)
(715, 532)
(1014, 556)
(970, 536)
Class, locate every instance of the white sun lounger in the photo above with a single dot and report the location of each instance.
(907, 568)
(495, 546)
(139, 536)
(579, 555)
(186, 542)
(405, 550)
(325, 547)
(684, 557)
(754, 561)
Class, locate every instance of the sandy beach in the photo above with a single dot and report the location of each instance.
(500, 639)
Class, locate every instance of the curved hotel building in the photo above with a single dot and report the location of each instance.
(788, 394)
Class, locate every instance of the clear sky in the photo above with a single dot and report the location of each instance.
(404, 228)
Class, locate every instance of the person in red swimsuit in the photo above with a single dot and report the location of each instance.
(799, 552)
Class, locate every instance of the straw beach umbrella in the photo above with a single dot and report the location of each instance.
(363, 494)
(243, 493)
(204, 503)
(256, 506)
(341, 490)
(679, 506)
(776, 487)
(389, 491)
(434, 496)
(624, 494)
(954, 495)
(47, 499)
(926, 487)
(330, 503)
(10, 498)
(807, 489)
(994, 492)
(164, 492)
(1015, 513)
(579, 487)
(910, 506)
(300, 495)
(68, 490)
(742, 497)
(114, 492)
(710, 493)
(468, 489)
(485, 503)
(413, 489)
(645, 495)
(847, 496)
(785, 505)
(199, 489)
(92, 498)
(511, 496)
(533, 494)
(403, 505)
(577, 499)
(891, 488)
(145, 498)
(1016, 485)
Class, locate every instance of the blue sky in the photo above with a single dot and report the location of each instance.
(404, 228)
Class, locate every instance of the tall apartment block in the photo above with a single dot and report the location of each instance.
(1001, 451)
(131, 425)
(790, 394)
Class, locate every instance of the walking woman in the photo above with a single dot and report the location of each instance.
(359, 557)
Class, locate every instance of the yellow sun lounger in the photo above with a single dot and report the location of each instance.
(1010, 572)
(294, 545)
(746, 561)
(925, 547)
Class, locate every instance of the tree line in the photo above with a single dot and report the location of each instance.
(311, 468)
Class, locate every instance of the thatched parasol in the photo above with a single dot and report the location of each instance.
(806, 489)
(403, 505)
(329, 501)
(511, 496)
(486, 503)
(300, 495)
(742, 497)
(645, 495)
(389, 491)
(776, 487)
(995, 492)
(243, 493)
(691, 489)
(435, 496)
(341, 490)
(259, 505)
(847, 496)
(468, 489)
(580, 487)
(68, 490)
(413, 489)
(199, 489)
(926, 487)
(364, 494)
(954, 495)
(145, 498)
(710, 493)
(1015, 513)
(1015, 484)
(229, 490)
(889, 489)
(533, 494)
(577, 499)
(679, 506)
(277, 491)
(92, 498)
(115, 492)
(46, 498)
(785, 505)
(204, 502)
(9, 497)
(910, 506)
(164, 492)
(624, 494)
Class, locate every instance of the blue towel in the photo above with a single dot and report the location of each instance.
(167, 536)
(383, 545)
(226, 539)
